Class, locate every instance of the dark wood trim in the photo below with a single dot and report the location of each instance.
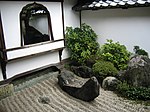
(3, 67)
(21, 30)
(50, 26)
(3, 54)
(37, 0)
(80, 17)
(60, 54)
(62, 9)
(2, 40)
(25, 15)
(28, 46)
(7, 81)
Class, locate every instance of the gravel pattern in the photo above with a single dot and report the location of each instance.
(47, 96)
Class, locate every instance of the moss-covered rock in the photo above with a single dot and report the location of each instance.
(102, 69)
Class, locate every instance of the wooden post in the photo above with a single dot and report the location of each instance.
(80, 18)
(3, 55)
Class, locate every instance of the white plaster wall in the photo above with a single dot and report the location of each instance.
(27, 64)
(128, 26)
(71, 18)
(10, 11)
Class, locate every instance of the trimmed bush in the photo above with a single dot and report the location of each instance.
(102, 69)
(115, 53)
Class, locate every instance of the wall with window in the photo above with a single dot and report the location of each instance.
(128, 26)
(11, 21)
(10, 11)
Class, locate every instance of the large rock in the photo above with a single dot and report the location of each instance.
(84, 89)
(110, 83)
(82, 71)
(138, 72)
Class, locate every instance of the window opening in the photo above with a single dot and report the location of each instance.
(35, 24)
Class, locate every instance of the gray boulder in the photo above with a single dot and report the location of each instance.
(110, 83)
(82, 71)
(138, 72)
(84, 89)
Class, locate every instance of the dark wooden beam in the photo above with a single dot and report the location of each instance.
(3, 55)
(80, 17)
(60, 54)
(63, 24)
(37, 0)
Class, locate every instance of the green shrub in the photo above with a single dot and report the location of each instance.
(139, 51)
(135, 93)
(104, 69)
(81, 42)
(115, 53)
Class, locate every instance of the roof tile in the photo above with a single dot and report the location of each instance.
(103, 4)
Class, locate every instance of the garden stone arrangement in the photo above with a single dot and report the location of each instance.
(84, 89)
(138, 72)
(127, 73)
(82, 71)
(110, 83)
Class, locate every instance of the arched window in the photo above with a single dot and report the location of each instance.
(35, 22)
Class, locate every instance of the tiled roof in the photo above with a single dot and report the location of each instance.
(104, 4)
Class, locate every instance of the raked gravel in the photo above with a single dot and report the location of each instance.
(28, 100)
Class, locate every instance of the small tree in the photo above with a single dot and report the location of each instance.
(115, 53)
(81, 42)
(139, 51)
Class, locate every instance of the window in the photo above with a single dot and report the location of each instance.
(35, 24)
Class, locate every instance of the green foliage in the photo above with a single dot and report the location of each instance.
(115, 53)
(81, 42)
(104, 69)
(135, 93)
(139, 51)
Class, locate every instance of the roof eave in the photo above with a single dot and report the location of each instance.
(81, 7)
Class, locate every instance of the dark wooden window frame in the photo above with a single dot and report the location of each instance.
(25, 15)
(37, 0)
(3, 55)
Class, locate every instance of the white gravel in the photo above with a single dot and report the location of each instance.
(27, 100)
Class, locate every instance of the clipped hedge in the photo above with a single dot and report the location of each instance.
(102, 69)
